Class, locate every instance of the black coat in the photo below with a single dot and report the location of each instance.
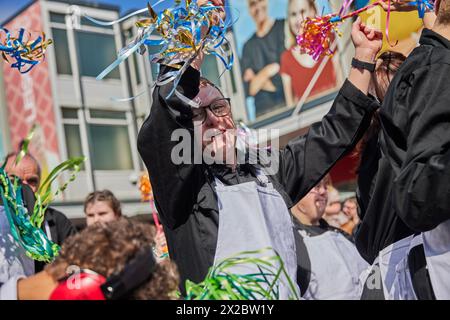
(60, 227)
(404, 183)
(184, 194)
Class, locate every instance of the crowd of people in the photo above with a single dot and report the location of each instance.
(391, 240)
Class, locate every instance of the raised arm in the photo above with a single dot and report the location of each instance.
(263, 79)
(307, 159)
(175, 183)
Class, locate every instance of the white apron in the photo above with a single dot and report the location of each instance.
(336, 267)
(402, 287)
(387, 261)
(253, 217)
(394, 269)
(391, 270)
(436, 244)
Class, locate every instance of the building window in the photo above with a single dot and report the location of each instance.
(108, 133)
(133, 62)
(110, 147)
(73, 140)
(89, 23)
(58, 17)
(155, 71)
(62, 53)
(94, 60)
(136, 69)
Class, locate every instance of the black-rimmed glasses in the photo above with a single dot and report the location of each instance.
(220, 108)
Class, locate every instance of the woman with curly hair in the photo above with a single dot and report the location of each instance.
(105, 261)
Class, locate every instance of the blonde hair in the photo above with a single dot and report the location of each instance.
(290, 37)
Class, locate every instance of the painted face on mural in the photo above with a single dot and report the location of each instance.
(298, 10)
(258, 10)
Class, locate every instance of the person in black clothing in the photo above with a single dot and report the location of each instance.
(400, 199)
(213, 211)
(56, 225)
(260, 62)
(369, 153)
(417, 147)
(329, 266)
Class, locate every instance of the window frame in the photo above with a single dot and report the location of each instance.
(126, 123)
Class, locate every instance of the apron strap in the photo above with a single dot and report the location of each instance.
(262, 177)
(416, 241)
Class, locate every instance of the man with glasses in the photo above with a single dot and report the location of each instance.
(214, 211)
(56, 225)
(329, 265)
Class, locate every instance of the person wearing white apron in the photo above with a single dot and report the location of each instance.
(397, 265)
(268, 226)
(329, 266)
(407, 232)
(213, 210)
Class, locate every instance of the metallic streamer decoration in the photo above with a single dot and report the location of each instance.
(222, 284)
(22, 52)
(29, 236)
(180, 33)
(26, 226)
(317, 32)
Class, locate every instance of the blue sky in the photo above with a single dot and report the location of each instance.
(9, 7)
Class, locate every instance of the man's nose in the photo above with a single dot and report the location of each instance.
(32, 186)
(211, 119)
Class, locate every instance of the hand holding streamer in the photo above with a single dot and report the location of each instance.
(317, 32)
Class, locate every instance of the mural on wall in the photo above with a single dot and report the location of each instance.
(276, 76)
(2, 148)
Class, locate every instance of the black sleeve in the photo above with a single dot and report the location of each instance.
(174, 185)
(422, 187)
(306, 160)
(60, 226)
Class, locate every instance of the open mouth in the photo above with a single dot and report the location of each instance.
(321, 203)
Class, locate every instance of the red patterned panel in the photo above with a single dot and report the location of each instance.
(29, 97)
